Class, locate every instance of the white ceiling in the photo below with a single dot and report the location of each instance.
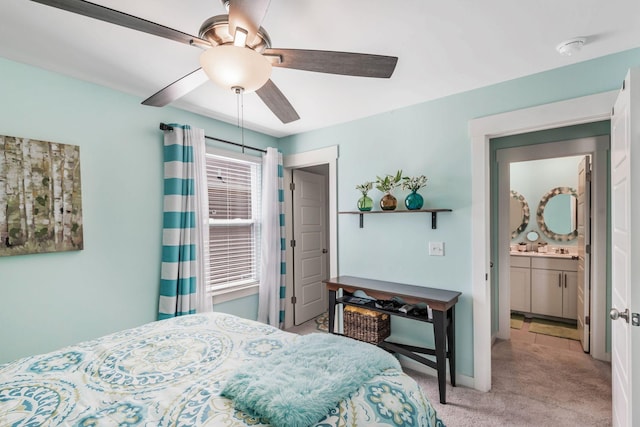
(444, 47)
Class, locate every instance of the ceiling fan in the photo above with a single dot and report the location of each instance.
(238, 53)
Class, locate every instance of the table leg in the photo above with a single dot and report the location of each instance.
(332, 310)
(451, 341)
(440, 335)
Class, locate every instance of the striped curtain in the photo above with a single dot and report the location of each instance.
(271, 302)
(185, 224)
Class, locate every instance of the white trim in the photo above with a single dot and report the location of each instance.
(564, 113)
(551, 150)
(504, 238)
(225, 295)
(327, 155)
(599, 192)
(574, 111)
(461, 380)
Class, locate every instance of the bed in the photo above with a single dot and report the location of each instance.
(172, 373)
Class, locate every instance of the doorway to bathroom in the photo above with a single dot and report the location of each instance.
(579, 294)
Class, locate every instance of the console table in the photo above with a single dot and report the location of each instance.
(442, 303)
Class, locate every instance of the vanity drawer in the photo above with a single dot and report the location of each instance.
(520, 261)
(554, 264)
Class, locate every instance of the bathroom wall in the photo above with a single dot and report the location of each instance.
(533, 179)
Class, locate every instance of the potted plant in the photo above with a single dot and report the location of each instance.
(414, 200)
(386, 184)
(365, 203)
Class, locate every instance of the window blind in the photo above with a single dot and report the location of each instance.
(234, 227)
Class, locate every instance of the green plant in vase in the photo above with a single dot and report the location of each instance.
(365, 203)
(386, 184)
(414, 200)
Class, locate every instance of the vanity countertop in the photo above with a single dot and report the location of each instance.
(544, 254)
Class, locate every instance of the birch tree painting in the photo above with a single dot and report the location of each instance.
(40, 197)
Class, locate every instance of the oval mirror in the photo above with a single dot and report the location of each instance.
(556, 215)
(518, 214)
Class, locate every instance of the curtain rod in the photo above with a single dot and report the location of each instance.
(167, 127)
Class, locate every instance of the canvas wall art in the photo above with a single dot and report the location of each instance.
(40, 197)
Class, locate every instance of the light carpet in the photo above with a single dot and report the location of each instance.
(532, 385)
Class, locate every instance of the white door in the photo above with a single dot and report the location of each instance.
(310, 252)
(625, 237)
(584, 238)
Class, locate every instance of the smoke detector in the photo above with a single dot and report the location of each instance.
(571, 46)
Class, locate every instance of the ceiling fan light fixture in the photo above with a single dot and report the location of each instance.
(231, 67)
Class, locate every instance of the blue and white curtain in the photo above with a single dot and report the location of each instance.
(185, 235)
(272, 264)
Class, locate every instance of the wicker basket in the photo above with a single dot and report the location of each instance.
(366, 325)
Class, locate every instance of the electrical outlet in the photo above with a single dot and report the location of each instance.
(436, 248)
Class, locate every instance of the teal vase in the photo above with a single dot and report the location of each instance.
(413, 201)
(365, 203)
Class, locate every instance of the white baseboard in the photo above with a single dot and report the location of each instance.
(462, 380)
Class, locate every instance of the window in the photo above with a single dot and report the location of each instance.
(233, 183)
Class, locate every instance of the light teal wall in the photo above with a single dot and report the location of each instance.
(533, 179)
(432, 139)
(51, 300)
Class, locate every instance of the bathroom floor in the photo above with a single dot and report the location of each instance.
(524, 335)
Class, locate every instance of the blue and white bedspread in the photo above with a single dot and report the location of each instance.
(171, 373)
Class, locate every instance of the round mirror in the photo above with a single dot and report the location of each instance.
(556, 215)
(518, 214)
(533, 236)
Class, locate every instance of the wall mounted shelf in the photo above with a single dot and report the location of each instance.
(434, 214)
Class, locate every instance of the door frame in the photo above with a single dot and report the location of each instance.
(327, 155)
(558, 114)
(596, 147)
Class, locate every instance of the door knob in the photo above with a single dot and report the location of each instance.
(324, 251)
(615, 314)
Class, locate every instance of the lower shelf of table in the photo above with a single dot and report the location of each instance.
(408, 351)
(343, 301)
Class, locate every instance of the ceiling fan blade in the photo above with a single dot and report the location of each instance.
(112, 16)
(177, 89)
(247, 14)
(344, 63)
(277, 102)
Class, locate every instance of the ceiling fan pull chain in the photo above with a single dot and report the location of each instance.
(237, 90)
(240, 107)
(242, 118)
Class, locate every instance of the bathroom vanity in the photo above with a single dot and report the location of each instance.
(544, 283)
